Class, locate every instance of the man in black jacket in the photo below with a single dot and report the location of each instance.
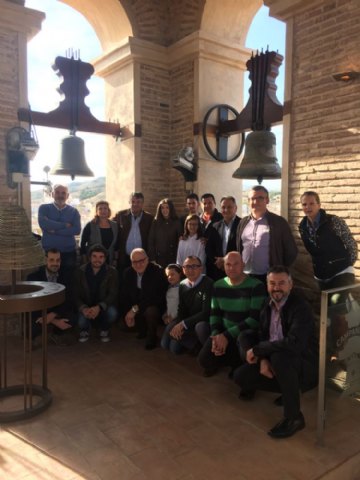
(96, 291)
(282, 356)
(143, 296)
(221, 238)
(60, 317)
(134, 228)
(194, 309)
(210, 213)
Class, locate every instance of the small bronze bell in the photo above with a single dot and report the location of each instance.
(72, 159)
(259, 159)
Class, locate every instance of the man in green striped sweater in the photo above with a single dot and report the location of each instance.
(235, 306)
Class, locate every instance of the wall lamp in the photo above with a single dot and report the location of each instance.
(346, 76)
(21, 146)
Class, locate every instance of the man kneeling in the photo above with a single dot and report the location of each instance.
(194, 309)
(96, 291)
(283, 357)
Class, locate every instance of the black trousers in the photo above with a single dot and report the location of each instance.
(209, 361)
(146, 323)
(292, 373)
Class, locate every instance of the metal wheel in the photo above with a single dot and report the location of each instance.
(221, 140)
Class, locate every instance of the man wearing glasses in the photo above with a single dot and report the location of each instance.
(143, 296)
(194, 310)
(264, 239)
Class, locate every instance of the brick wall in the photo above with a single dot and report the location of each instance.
(9, 101)
(181, 125)
(325, 130)
(166, 118)
(155, 119)
(163, 21)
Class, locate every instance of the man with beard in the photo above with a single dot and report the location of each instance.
(282, 355)
(59, 318)
(96, 292)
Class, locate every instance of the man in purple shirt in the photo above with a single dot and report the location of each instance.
(263, 238)
(282, 355)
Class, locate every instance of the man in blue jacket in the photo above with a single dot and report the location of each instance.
(60, 223)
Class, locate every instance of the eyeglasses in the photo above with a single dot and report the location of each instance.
(191, 267)
(253, 199)
(141, 260)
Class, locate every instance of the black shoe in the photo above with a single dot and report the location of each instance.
(247, 395)
(278, 401)
(209, 372)
(287, 427)
(150, 346)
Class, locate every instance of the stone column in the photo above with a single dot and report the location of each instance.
(17, 25)
(167, 90)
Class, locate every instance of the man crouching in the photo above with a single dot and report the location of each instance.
(283, 357)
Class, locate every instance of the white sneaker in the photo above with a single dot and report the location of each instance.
(84, 336)
(104, 336)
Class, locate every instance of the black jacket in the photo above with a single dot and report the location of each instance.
(124, 219)
(332, 248)
(214, 246)
(66, 308)
(108, 290)
(152, 292)
(195, 303)
(298, 328)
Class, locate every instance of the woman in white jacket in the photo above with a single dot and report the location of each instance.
(192, 242)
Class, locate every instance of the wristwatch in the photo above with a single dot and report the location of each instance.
(135, 308)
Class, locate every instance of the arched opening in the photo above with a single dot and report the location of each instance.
(229, 19)
(268, 33)
(64, 29)
(107, 18)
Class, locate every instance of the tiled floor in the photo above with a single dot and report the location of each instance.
(120, 413)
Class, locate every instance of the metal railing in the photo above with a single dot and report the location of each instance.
(349, 309)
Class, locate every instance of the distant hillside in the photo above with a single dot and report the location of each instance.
(83, 195)
(80, 190)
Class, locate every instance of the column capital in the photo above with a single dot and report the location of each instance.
(285, 9)
(17, 18)
(199, 44)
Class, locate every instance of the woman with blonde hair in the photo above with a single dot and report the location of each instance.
(101, 230)
(164, 234)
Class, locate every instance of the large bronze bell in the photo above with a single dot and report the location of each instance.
(259, 159)
(72, 159)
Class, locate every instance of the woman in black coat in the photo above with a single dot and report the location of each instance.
(164, 234)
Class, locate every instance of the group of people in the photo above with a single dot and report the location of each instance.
(219, 285)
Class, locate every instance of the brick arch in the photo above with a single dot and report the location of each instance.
(164, 22)
(230, 19)
(108, 18)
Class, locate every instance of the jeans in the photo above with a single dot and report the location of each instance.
(188, 341)
(169, 343)
(102, 321)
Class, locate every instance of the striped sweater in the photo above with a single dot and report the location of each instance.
(236, 307)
